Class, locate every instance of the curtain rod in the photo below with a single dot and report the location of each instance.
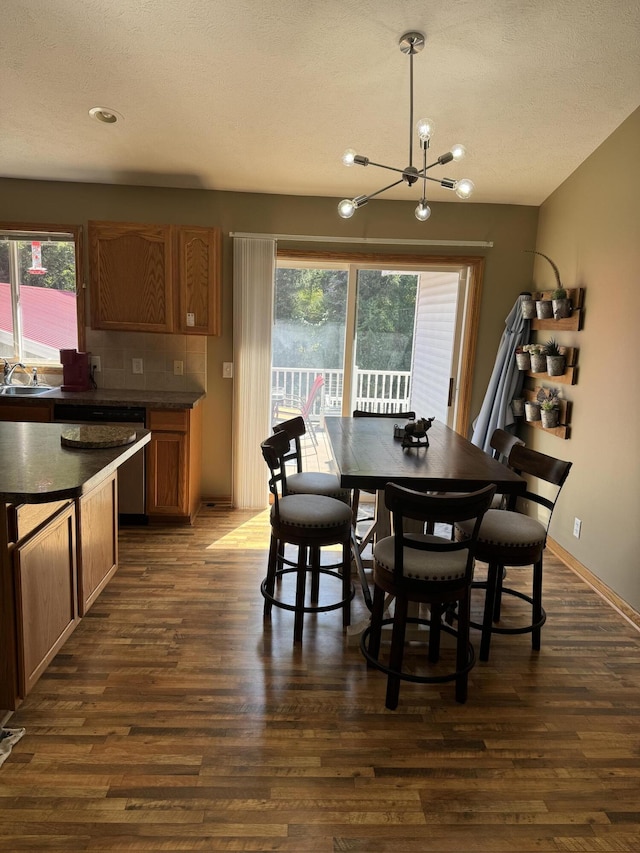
(308, 238)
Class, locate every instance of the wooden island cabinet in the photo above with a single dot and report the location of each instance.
(155, 278)
(58, 543)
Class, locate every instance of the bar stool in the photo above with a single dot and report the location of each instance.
(422, 567)
(309, 522)
(307, 482)
(510, 538)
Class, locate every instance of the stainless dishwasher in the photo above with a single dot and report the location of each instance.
(131, 474)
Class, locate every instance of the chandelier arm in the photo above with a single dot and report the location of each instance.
(390, 168)
(384, 189)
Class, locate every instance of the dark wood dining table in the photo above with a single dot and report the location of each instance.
(367, 457)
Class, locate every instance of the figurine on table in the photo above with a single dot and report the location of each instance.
(415, 433)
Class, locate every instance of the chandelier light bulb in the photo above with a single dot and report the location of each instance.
(459, 152)
(425, 129)
(349, 157)
(423, 211)
(465, 188)
(346, 208)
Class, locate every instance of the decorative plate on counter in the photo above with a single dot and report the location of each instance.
(96, 436)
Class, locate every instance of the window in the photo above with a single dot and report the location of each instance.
(41, 305)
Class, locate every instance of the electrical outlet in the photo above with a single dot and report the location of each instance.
(577, 527)
(136, 365)
(95, 364)
(191, 319)
(227, 370)
(178, 368)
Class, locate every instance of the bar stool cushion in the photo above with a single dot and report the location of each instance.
(317, 483)
(506, 529)
(434, 566)
(312, 511)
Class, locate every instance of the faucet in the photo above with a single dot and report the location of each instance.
(9, 371)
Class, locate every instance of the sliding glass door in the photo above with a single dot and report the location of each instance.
(353, 335)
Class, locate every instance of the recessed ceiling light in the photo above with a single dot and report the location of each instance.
(104, 114)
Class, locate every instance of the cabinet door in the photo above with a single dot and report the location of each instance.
(167, 463)
(131, 270)
(198, 280)
(46, 603)
(98, 540)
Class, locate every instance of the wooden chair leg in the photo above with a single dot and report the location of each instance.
(489, 604)
(397, 651)
(271, 574)
(300, 593)
(498, 599)
(315, 574)
(537, 604)
(434, 632)
(462, 647)
(377, 613)
(346, 583)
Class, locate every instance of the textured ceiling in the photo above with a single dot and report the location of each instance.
(252, 95)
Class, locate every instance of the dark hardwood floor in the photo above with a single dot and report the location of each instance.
(173, 721)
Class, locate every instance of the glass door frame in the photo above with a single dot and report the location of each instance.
(473, 267)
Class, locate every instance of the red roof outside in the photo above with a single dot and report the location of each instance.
(48, 316)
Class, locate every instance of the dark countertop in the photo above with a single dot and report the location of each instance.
(36, 468)
(110, 397)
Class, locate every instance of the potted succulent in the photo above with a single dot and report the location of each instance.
(549, 401)
(556, 359)
(560, 303)
(558, 306)
(523, 358)
(537, 353)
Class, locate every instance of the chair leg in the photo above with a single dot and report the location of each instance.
(314, 562)
(498, 599)
(346, 583)
(434, 632)
(462, 647)
(489, 603)
(272, 564)
(377, 613)
(300, 593)
(397, 651)
(537, 604)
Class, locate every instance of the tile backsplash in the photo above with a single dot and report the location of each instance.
(157, 354)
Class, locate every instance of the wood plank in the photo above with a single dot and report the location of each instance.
(173, 719)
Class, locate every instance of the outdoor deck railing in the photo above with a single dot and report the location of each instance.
(376, 390)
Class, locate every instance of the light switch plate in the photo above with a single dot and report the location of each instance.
(227, 370)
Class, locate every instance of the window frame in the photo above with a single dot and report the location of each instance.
(35, 228)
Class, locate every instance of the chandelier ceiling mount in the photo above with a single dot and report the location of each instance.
(410, 43)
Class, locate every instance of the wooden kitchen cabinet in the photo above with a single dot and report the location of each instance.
(46, 594)
(198, 252)
(131, 277)
(155, 278)
(97, 541)
(174, 458)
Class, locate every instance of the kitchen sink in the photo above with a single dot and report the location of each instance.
(23, 390)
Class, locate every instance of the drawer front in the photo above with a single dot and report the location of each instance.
(25, 518)
(168, 420)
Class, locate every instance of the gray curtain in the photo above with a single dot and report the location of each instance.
(505, 383)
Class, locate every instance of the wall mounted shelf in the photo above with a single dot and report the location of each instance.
(570, 375)
(566, 324)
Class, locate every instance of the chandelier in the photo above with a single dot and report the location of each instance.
(410, 43)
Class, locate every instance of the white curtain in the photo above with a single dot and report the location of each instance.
(253, 277)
